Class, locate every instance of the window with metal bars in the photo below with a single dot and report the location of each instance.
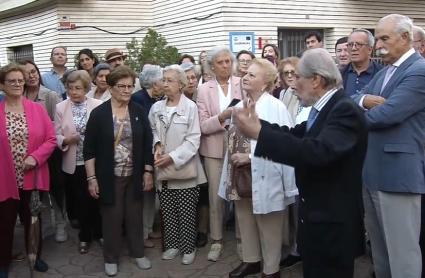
(21, 52)
(292, 41)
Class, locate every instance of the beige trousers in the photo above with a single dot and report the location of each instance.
(213, 167)
(261, 235)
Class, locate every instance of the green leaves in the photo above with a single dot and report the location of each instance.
(153, 49)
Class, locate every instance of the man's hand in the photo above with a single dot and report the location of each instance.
(247, 120)
(371, 101)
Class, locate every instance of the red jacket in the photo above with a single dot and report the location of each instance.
(41, 143)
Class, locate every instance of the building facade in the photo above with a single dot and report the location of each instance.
(34, 27)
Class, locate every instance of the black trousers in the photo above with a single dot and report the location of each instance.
(87, 208)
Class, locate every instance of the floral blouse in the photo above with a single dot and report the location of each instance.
(17, 133)
(124, 149)
(79, 114)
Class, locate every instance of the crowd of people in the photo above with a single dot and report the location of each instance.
(317, 156)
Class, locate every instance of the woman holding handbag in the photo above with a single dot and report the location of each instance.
(260, 188)
(176, 132)
(118, 160)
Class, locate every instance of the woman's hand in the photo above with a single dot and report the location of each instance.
(94, 188)
(226, 114)
(71, 139)
(239, 159)
(163, 160)
(29, 163)
(147, 181)
(158, 152)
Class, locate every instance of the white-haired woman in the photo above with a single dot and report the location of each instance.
(176, 132)
(151, 82)
(261, 199)
(213, 100)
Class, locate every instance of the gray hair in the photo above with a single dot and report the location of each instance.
(189, 66)
(420, 31)
(101, 66)
(318, 61)
(370, 37)
(403, 24)
(150, 75)
(214, 52)
(181, 75)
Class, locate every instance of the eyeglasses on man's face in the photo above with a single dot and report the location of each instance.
(357, 45)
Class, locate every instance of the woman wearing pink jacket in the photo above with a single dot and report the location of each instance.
(27, 139)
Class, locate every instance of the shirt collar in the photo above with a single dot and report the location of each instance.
(324, 99)
(369, 69)
(404, 57)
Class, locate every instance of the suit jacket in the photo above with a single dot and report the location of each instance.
(328, 163)
(395, 156)
(64, 126)
(99, 144)
(212, 131)
(41, 143)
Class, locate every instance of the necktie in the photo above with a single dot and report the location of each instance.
(388, 74)
(311, 117)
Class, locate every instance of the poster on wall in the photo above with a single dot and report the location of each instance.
(242, 41)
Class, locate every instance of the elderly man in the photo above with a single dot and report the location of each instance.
(419, 40)
(327, 152)
(52, 79)
(313, 40)
(393, 173)
(342, 56)
(357, 74)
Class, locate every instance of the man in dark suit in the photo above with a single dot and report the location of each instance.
(327, 152)
(393, 173)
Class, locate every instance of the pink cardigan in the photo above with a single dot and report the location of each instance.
(209, 107)
(41, 143)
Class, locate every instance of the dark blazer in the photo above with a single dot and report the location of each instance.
(99, 144)
(328, 162)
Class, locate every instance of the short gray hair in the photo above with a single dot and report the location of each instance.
(318, 61)
(420, 31)
(150, 75)
(214, 52)
(181, 75)
(370, 37)
(101, 66)
(403, 24)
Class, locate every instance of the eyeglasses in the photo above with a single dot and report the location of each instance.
(356, 45)
(289, 72)
(122, 87)
(245, 62)
(32, 72)
(18, 82)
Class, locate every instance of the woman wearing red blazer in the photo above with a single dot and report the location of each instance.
(27, 139)
(213, 100)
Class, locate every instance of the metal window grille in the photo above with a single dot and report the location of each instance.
(22, 52)
(291, 41)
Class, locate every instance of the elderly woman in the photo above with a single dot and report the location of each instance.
(261, 199)
(70, 125)
(119, 164)
(213, 101)
(175, 126)
(86, 60)
(151, 82)
(244, 58)
(27, 139)
(288, 96)
(191, 89)
(100, 91)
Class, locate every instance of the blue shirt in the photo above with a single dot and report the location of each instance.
(353, 82)
(51, 80)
